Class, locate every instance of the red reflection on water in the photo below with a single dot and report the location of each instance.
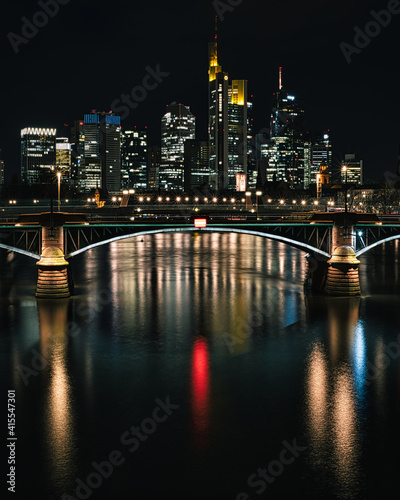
(200, 391)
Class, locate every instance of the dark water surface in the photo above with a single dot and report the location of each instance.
(195, 367)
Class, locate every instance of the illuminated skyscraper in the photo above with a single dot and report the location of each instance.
(321, 152)
(237, 130)
(110, 151)
(177, 125)
(261, 151)
(134, 159)
(251, 152)
(153, 167)
(102, 153)
(286, 149)
(196, 164)
(91, 175)
(78, 154)
(307, 160)
(38, 154)
(227, 122)
(218, 116)
(63, 157)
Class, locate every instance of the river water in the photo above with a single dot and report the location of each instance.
(194, 366)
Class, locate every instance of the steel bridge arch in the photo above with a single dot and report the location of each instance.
(377, 243)
(297, 244)
(19, 250)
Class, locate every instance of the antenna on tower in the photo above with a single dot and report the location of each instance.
(216, 28)
(280, 77)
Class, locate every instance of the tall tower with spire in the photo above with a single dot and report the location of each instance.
(217, 116)
(214, 67)
(286, 156)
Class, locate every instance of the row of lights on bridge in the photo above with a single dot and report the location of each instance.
(14, 202)
(206, 200)
(179, 199)
(186, 199)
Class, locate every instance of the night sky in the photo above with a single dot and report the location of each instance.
(90, 53)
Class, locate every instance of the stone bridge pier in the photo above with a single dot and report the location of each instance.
(342, 277)
(338, 275)
(54, 272)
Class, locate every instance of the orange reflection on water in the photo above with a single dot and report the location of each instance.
(58, 410)
(331, 397)
(200, 392)
(317, 383)
(344, 425)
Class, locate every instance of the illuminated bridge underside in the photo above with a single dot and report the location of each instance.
(310, 238)
(302, 246)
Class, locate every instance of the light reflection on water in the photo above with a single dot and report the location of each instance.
(200, 392)
(220, 322)
(334, 382)
(59, 408)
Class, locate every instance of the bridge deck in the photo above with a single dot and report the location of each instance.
(307, 235)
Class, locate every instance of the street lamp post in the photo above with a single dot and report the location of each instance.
(248, 200)
(346, 228)
(344, 169)
(258, 193)
(59, 188)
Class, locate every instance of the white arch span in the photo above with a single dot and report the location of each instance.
(373, 245)
(283, 239)
(18, 250)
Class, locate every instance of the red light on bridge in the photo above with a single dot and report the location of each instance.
(200, 223)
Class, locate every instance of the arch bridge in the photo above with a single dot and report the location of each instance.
(319, 236)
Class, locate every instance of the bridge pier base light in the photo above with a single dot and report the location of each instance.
(342, 277)
(52, 282)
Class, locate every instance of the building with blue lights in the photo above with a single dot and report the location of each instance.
(100, 166)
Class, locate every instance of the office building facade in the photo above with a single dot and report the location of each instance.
(77, 141)
(91, 170)
(287, 137)
(251, 152)
(134, 159)
(38, 154)
(63, 157)
(237, 131)
(101, 165)
(196, 164)
(153, 167)
(321, 153)
(354, 171)
(177, 125)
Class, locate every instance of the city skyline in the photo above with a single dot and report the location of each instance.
(332, 91)
(199, 284)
